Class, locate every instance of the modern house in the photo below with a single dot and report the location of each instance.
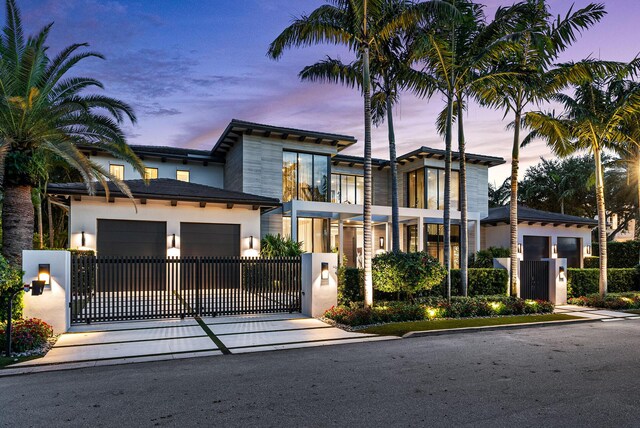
(260, 179)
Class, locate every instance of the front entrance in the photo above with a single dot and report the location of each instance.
(108, 288)
(534, 279)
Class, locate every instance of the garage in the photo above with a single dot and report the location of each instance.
(536, 247)
(130, 238)
(570, 248)
(209, 240)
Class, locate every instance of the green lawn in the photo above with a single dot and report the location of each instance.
(4, 361)
(401, 328)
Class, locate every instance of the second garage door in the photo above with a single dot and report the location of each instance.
(132, 238)
(209, 240)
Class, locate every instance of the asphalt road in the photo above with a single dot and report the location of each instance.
(587, 375)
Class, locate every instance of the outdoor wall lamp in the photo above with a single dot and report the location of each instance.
(588, 249)
(44, 273)
(173, 241)
(382, 242)
(554, 248)
(324, 270)
(83, 241)
(561, 273)
(251, 242)
(519, 248)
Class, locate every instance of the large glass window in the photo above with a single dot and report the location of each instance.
(117, 171)
(305, 177)
(434, 242)
(313, 233)
(427, 184)
(347, 189)
(150, 173)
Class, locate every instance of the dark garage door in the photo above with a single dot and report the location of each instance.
(569, 248)
(209, 240)
(132, 238)
(536, 247)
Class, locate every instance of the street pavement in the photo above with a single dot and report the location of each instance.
(572, 375)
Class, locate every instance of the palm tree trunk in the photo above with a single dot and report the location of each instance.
(447, 195)
(602, 221)
(367, 235)
(17, 222)
(50, 221)
(464, 235)
(637, 225)
(513, 209)
(37, 203)
(395, 215)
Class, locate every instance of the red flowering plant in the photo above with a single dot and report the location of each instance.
(27, 334)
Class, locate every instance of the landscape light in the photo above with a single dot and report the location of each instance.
(561, 273)
(44, 273)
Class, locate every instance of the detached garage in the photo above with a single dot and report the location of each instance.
(169, 218)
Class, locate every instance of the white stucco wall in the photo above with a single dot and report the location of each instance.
(210, 175)
(84, 216)
(498, 236)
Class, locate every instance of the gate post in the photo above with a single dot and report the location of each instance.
(505, 263)
(319, 289)
(558, 281)
(53, 305)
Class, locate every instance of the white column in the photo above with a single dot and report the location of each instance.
(478, 235)
(420, 233)
(319, 294)
(294, 222)
(340, 241)
(387, 238)
(52, 306)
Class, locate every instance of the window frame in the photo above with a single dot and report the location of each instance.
(178, 171)
(149, 168)
(340, 175)
(111, 165)
(296, 196)
(425, 187)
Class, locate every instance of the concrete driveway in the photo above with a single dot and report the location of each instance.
(141, 341)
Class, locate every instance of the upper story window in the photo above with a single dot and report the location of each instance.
(305, 177)
(425, 188)
(150, 173)
(183, 175)
(117, 171)
(347, 189)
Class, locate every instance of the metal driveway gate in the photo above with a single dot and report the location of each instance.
(534, 279)
(128, 288)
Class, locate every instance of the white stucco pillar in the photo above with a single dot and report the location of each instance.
(557, 281)
(294, 222)
(420, 234)
(319, 294)
(340, 241)
(52, 306)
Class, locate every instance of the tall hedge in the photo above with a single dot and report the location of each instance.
(482, 282)
(10, 282)
(621, 254)
(581, 282)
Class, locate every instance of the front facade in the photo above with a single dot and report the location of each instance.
(260, 180)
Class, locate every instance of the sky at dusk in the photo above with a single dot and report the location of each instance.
(189, 66)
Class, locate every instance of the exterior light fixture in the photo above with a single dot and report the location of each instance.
(588, 249)
(382, 242)
(83, 241)
(324, 270)
(554, 248)
(519, 248)
(173, 241)
(561, 273)
(44, 273)
(251, 242)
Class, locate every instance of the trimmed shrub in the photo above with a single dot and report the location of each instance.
(350, 285)
(482, 282)
(591, 262)
(582, 282)
(27, 334)
(435, 307)
(10, 282)
(611, 301)
(273, 246)
(621, 254)
(407, 273)
(484, 258)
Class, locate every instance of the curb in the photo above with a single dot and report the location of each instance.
(442, 332)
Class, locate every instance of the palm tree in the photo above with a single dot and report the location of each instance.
(43, 110)
(595, 119)
(540, 40)
(359, 25)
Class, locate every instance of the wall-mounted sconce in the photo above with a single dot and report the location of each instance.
(554, 248)
(382, 242)
(324, 270)
(561, 274)
(251, 242)
(588, 249)
(519, 248)
(173, 241)
(83, 241)
(44, 273)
